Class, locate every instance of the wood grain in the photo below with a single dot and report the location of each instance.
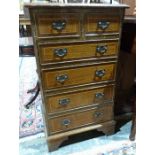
(44, 24)
(80, 119)
(92, 19)
(53, 145)
(55, 140)
(81, 75)
(78, 99)
(77, 51)
(80, 36)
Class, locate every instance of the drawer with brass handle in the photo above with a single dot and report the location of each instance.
(59, 25)
(77, 76)
(79, 119)
(54, 53)
(76, 49)
(97, 23)
(78, 99)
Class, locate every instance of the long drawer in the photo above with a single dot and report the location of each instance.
(71, 51)
(78, 99)
(57, 25)
(79, 119)
(77, 76)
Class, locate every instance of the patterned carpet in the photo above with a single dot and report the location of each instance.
(31, 121)
(118, 144)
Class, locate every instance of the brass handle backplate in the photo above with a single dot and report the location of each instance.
(98, 114)
(62, 78)
(60, 52)
(66, 122)
(99, 95)
(64, 102)
(100, 73)
(103, 24)
(59, 25)
(101, 49)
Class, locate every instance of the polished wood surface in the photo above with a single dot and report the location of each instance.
(55, 140)
(77, 76)
(79, 99)
(45, 22)
(81, 119)
(77, 51)
(91, 24)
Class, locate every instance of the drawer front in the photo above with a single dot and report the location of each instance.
(80, 119)
(59, 24)
(77, 76)
(99, 23)
(63, 52)
(59, 103)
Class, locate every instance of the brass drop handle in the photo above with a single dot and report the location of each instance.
(99, 95)
(60, 52)
(101, 49)
(62, 78)
(64, 102)
(100, 73)
(59, 25)
(98, 114)
(66, 122)
(103, 24)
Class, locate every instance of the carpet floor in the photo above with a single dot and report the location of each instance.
(30, 120)
(117, 144)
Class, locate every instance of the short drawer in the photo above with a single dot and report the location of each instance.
(64, 52)
(78, 99)
(79, 119)
(99, 23)
(77, 76)
(57, 24)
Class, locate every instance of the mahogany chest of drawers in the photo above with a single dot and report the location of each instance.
(76, 49)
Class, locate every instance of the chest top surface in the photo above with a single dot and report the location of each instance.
(75, 5)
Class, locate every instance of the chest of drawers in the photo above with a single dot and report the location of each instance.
(76, 49)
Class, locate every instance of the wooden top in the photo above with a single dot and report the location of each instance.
(75, 5)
